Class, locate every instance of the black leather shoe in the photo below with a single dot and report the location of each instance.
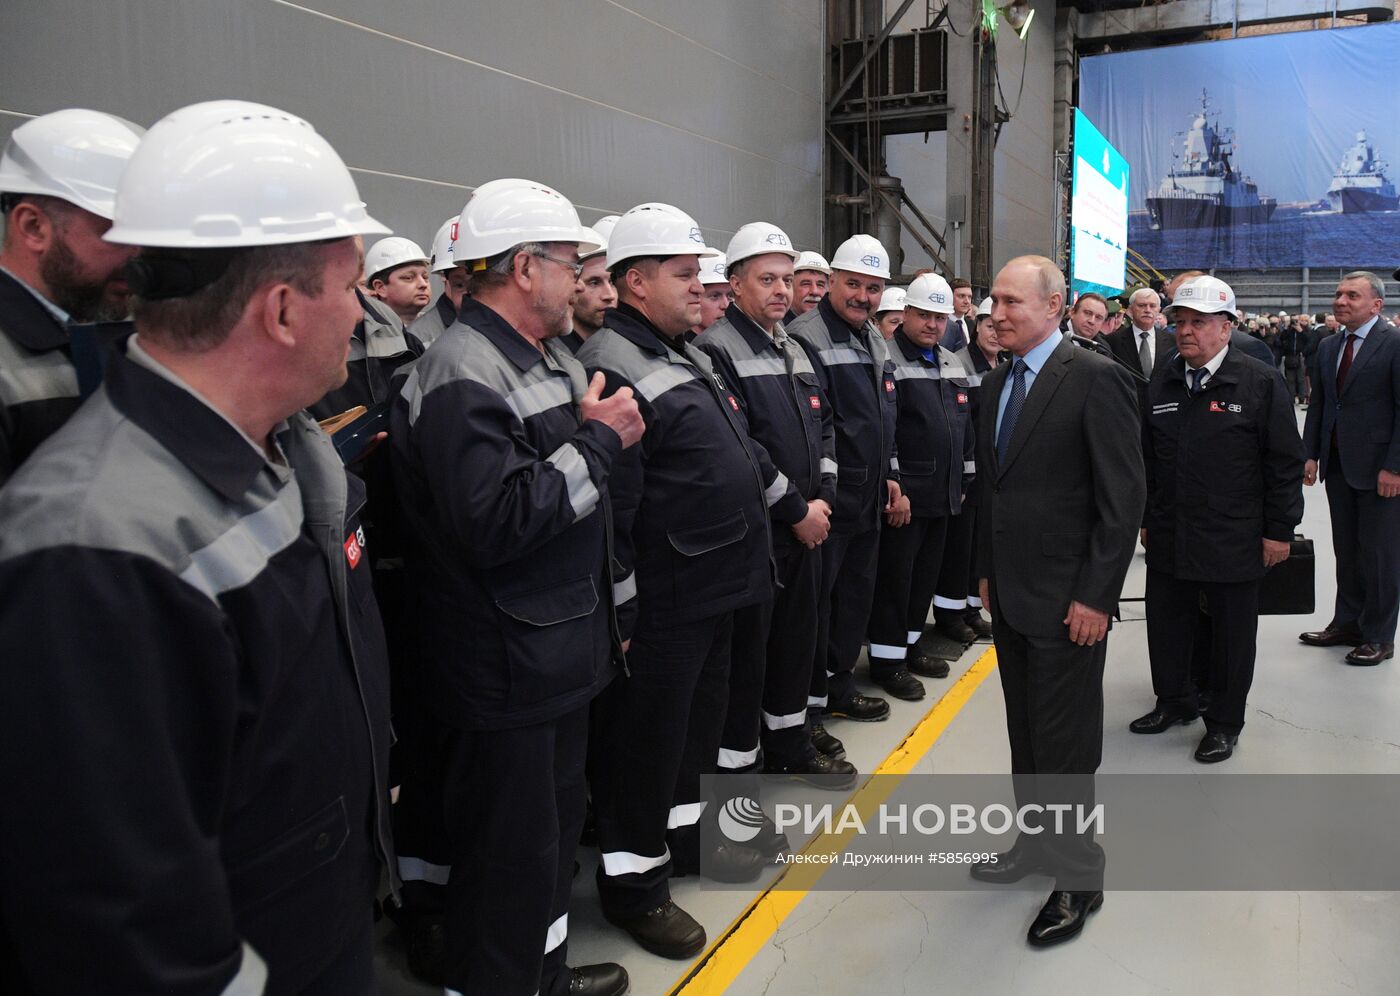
(1371, 654)
(1160, 720)
(826, 744)
(978, 623)
(1062, 917)
(667, 931)
(820, 771)
(1332, 637)
(862, 708)
(607, 979)
(1216, 747)
(731, 862)
(1009, 866)
(925, 666)
(902, 685)
(950, 623)
(425, 945)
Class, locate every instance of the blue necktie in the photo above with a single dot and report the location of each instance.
(1014, 404)
(1197, 376)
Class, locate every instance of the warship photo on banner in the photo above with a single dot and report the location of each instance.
(1254, 153)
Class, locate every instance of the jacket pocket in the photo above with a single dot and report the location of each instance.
(549, 641)
(1064, 544)
(256, 876)
(851, 475)
(710, 536)
(917, 468)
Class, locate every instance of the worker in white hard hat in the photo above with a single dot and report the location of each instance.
(443, 312)
(771, 669)
(58, 174)
(505, 452)
(596, 293)
(889, 313)
(690, 517)
(210, 742)
(936, 444)
(396, 272)
(856, 372)
(717, 295)
(810, 276)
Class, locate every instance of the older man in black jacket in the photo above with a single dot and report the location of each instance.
(1224, 474)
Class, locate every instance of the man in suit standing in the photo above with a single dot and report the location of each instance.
(1352, 441)
(1062, 501)
(1139, 343)
(964, 322)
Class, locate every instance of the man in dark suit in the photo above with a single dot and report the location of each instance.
(1139, 343)
(1224, 473)
(963, 325)
(1062, 502)
(1352, 441)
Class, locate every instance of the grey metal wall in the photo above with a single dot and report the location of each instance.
(714, 106)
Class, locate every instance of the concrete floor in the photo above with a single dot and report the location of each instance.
(1308, 713)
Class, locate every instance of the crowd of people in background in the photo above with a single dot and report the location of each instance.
(608, 512)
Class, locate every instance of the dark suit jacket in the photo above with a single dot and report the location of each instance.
(1123, 343)
(1366, 416)
(1059, 518)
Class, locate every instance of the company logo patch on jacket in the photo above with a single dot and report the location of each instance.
(1220, 406)
(889, 385)
(733, 402)
(355, 548)
(962, 397)
(815, 401)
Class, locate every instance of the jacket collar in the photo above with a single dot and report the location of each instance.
(199, 437)
(840, 331)
(633, 326)
(757, 339)
(1228, 372)
(514, 346)
(912, 351)
(26, 319)
(446, 311)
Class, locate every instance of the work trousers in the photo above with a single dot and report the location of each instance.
(513, 807)
(770, 670)
(907, 573)
(957, 580)
(848, 585)
(1173, 610)
(654, 734)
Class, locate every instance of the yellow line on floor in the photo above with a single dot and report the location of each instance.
(727, 957)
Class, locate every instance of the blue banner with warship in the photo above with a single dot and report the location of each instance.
(1255, 153)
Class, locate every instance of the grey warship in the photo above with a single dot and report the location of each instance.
(1204, 189)
(1360, 184)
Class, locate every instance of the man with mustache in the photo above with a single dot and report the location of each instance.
(58, 176)
(856, 373)
(810, 277)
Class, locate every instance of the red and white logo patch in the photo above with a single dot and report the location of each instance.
(355, 548)
(889, 386)
(1216, 406)
(962, 398)
(815, 401)
(733, 403)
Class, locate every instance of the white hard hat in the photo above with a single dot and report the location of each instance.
(891, 300)
(228, 174)
(985, 308)
(1208, 295)
(505, 213)
(77, 155)
(656, 230)
(812, 261)
(862, 254)
(712, 269)
(930, 292)
(386, 254)
(598, 239)
(758, 238)
(604, 225)
(441, 259)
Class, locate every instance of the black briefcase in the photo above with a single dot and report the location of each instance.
(1288, 588)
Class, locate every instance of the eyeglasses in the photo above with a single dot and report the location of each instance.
(576, 267)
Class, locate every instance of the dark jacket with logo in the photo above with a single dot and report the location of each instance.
(38, 385)
(856, 373)
(690, 501)
(505, 498)
(193, 702)
(934, 429)
(1224, 470)
(785, 409)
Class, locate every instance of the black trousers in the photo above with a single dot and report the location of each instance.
(907, 573)
(848, 585)
(1173, 618)
(1296, 379)
(1054, 721)
(1366, 541)
(654, 734)
(770, 669)
(957, 586)
(513, 805)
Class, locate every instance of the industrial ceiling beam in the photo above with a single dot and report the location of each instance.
(1202, 15)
